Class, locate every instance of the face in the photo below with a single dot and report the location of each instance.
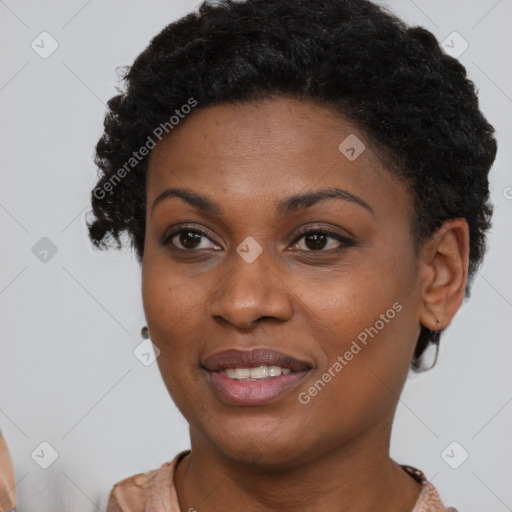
(257, 268)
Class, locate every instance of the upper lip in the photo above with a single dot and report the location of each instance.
(233, 358)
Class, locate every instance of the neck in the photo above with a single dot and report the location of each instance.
(355, 476)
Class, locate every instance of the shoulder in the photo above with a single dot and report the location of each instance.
(7, 480)
(133, 494)
(429, 499)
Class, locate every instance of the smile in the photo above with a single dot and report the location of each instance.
(256, 373)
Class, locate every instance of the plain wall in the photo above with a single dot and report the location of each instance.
(69, 326)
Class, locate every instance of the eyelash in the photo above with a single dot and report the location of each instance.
(345, 242)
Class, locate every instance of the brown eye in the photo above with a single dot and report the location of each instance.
(316, 240)
(188, 239)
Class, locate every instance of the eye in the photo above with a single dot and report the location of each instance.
(188, 239)
(316, 240)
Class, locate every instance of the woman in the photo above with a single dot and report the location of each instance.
(305, 185)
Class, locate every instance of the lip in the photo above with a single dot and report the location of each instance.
(256, 392)
(234, 358)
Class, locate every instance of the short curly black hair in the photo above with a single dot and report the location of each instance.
(412, 100)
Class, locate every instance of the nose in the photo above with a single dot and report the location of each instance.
(250, 292)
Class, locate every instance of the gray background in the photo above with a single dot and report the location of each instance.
(69, 325)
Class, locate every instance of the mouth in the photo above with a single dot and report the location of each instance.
(254, 377)
(255, 373)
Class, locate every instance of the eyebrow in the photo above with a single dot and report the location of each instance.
(284, 207)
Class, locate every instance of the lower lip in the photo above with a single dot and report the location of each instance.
(253, 392)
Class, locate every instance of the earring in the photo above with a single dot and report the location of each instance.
(438, 323)
(144, 332)
(435, 338)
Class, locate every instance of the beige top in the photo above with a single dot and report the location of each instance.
(7, 482)
(154, 491)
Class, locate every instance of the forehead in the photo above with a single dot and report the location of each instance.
(271, 149)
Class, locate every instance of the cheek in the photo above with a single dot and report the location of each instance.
(369, 329)
(170, 297)
(365, 367)
(173, 310)
(173, 306)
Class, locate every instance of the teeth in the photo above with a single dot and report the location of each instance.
(260, 372)
(242, 373)
(230, 372)
(256, 373)
(274, 371)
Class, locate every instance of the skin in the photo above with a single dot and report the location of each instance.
(332, 453)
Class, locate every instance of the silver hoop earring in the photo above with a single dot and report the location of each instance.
(438, 323)
(435, 338)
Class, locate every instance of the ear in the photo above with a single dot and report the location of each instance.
(444, 261)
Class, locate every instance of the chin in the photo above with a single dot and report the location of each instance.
(265, 444)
